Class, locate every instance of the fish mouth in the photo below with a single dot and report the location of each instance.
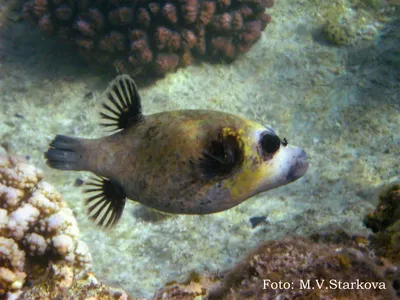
(299, 168)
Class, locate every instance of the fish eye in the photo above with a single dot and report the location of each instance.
(270, 143)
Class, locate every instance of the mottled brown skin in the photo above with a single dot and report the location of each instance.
(183, 162)
(156, 161)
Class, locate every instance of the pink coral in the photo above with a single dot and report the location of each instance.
(187, 59)
(224, 46)
(166, 62)
(40, 7)
(112, 42)
(121, 16)
(96, 18)
(143, 17)
(46, 25)
(201, 46)
(141, 51)
(122, 66)
(186, 29)
(170, 13)
(162, 37)
(154, 8)
(174, 42)
(85, 43)
(207, 12)
(190, 10)
(224, 3)
(222, 22)
(84, 27)
(63, 12)
(237, 20)
(189, 39)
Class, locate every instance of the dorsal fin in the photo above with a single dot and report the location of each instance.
(124, 107)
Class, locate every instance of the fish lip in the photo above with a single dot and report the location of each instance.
(299, 168)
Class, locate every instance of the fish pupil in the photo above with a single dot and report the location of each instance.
(270, 143)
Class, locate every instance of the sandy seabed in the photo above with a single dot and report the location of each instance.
(340, 104)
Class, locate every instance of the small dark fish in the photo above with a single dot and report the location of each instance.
(88, 96)
(78, 182)
(255, 221)
(183, 162)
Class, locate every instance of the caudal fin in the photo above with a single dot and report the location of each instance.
(65, 153)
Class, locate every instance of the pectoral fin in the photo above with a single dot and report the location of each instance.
(221, 157)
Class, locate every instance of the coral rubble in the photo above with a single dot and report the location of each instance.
(388, 209)
(385, 223)
(346, 23)
(153, 36)
(293, 268)
(41, 254)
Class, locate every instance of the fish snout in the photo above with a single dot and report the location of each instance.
(299, 165)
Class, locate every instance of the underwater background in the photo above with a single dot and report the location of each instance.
(325, 75)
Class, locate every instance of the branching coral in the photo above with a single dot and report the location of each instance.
(37, 230)
(385, 223)
(153, 36)
(40, 251)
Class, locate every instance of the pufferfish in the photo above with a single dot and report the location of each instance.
(181, 162)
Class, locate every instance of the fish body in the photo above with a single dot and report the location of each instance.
(184, 162)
